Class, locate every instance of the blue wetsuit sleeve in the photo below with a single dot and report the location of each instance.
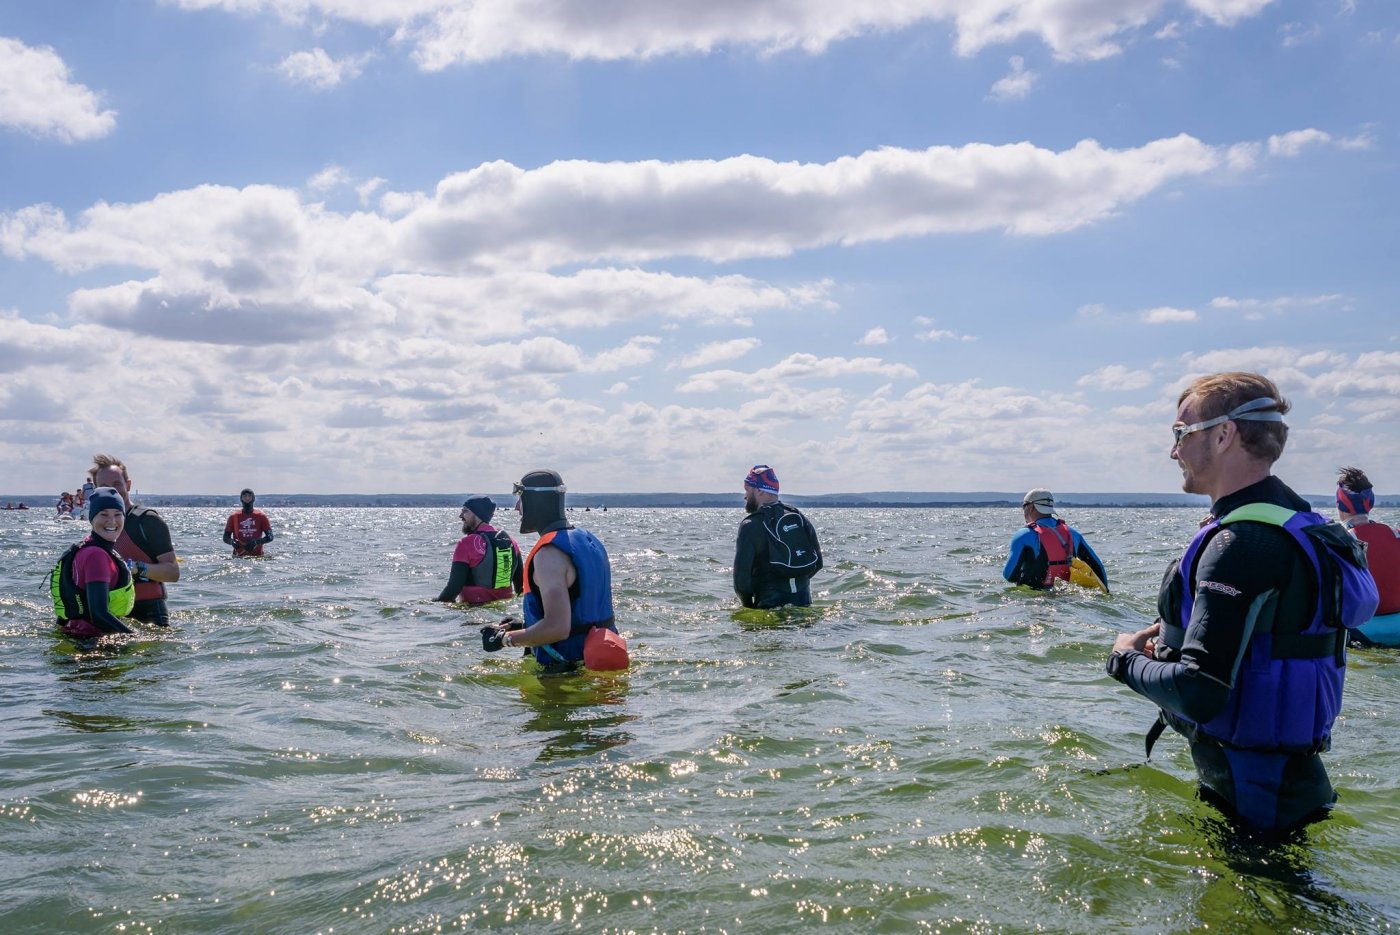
(1025, 545)
(1086, 552)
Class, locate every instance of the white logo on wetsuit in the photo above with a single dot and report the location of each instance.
(1219, 588)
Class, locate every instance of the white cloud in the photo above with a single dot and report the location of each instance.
(931, 333)
(448, 32)
(796, 367)
(1115, 377)
(498, 215)
(37, 96)
(1017, 84)
(1168, 315)
(316, 68)
(874, 337)
(328, 178)
(1255, 309)
(1296, 34)
(709, 354)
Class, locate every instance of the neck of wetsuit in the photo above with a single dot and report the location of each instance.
(556, 525)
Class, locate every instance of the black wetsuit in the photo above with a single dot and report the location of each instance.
(1249, 575)
(756, 580)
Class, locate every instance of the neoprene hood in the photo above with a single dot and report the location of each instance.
(541, 501)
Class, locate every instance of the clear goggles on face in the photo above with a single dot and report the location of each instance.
(1245, 412)
(517, 490)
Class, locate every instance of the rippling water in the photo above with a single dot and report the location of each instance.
(315, 746)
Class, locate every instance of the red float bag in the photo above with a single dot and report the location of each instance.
(604, 650)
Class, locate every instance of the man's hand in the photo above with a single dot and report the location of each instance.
(1142, 641)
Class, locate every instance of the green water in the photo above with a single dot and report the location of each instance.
(315, 746)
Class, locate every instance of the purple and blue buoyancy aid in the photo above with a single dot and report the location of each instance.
(590, 597)
(1288, 689)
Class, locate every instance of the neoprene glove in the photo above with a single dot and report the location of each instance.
(493, 638)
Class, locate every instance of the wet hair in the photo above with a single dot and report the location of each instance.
(1353, 479)
(1219, 393)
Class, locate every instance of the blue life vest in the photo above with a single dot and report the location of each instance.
(590, 596)
(1288, 689)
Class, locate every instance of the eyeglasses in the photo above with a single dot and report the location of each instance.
(1246, 412)
(517, 489)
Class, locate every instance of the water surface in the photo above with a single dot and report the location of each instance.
(316, 746)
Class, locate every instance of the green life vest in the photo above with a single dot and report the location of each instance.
(68, 598)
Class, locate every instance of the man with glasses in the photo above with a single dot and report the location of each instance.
(1247, 657)
(486, 563)
(567, 602)
(776, 552)
(1046, 549)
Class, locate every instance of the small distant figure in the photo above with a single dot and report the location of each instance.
(777, 551)
(145, 540)
(1046, 549)
(486, 564)
(249, 529)
(1355, 500)
(64, 506)
(91, 585)
(568, 606)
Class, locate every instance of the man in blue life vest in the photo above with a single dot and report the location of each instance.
(1248, 655)
(776, 552)
(1046, 548)
(567, 585)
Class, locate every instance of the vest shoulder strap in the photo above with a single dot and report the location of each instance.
(1259, 513)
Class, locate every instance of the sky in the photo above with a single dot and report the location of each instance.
(333, 246)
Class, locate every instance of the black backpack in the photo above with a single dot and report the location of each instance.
(793, 551)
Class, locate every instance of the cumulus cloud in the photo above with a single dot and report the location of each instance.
(38, 96)
(748, 206)
(796, 367)
(328, 178)
(930, 331)
(316, 69)
(716, 351)
(1016, 84)
(873, 337)
(1115, 377)
(449, 32)
(1165, 315)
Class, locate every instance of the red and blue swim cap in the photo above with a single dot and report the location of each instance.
(762, 477)
(1355, 501)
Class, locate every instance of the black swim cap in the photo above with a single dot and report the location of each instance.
(541, 496)
(483, 507)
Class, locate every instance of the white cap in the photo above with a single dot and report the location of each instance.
(1040, 498)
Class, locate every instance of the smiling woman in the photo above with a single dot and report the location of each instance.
(91, 585)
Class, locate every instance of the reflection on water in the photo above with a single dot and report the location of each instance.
(316, 745)
(573, 711)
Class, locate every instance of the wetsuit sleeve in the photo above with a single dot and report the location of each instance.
(517, 569)
(1020, 562)
(228, 529)
(461, 574)
(266, 525)
(95, 596)
(744, 555)
(1238, 581)
(1086, 552)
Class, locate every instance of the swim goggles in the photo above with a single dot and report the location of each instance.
(1245, 412)
(517, 489)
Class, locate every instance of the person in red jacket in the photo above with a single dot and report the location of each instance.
(1355, 499)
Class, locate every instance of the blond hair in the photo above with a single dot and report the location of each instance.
(100, 461)
(1219, 393)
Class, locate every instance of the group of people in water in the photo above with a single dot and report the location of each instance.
(1246, 659)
